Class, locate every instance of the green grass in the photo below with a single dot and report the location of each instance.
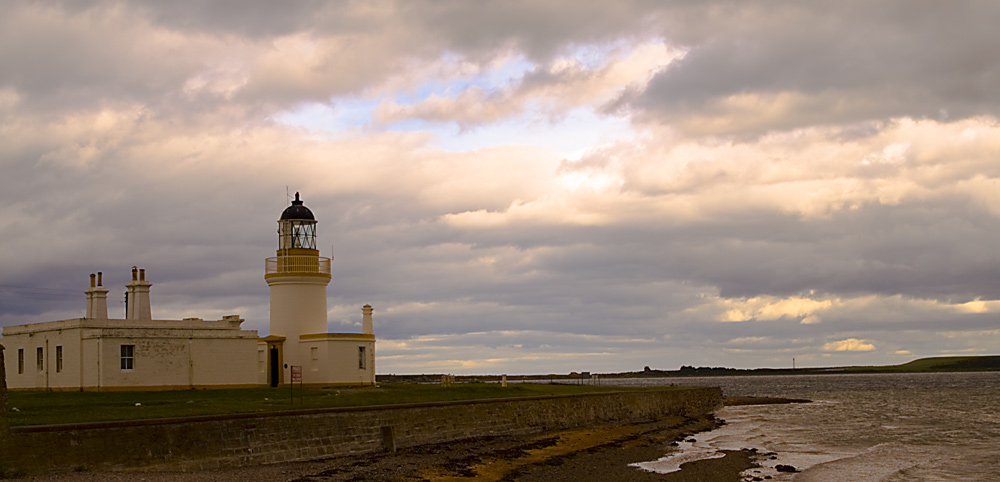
(44, 408)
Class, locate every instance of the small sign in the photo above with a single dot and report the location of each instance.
(296, 374)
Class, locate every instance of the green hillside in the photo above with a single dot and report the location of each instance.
(934, 364)
(952, 363)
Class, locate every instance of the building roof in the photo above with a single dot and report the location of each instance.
(297, 211)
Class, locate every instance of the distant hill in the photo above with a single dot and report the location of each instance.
(933, 364)
(951, 363)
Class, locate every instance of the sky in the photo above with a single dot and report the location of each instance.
(536, 186)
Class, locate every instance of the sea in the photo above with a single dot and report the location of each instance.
(859, 427)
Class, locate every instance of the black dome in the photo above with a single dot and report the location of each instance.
(297, 211)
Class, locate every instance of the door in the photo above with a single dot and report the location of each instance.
(275, 366)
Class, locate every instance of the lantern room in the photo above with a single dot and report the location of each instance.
(297, 227)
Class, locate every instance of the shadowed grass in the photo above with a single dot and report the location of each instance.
(44, 408)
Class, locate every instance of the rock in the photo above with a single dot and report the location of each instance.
(785, 468)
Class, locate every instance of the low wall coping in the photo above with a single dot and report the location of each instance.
(313, 411)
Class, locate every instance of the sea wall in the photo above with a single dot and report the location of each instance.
(237, 440)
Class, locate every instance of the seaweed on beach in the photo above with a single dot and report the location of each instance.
(522, 450)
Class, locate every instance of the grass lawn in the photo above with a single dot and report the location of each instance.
(43, 408)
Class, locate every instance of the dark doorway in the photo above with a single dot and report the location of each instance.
(275, 367)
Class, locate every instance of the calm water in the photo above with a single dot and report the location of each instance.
(882, 427)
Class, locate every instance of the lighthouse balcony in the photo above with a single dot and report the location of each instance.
(296, 265)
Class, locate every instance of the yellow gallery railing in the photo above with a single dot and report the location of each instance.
(297, 264)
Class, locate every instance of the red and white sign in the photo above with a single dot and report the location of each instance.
(296, 374)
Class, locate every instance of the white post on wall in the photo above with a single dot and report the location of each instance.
(4, 423)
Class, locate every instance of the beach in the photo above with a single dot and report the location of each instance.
(592, 454)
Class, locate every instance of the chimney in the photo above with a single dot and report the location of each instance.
(97, 299)
(366, 323)
(90, 296)
(138, 296)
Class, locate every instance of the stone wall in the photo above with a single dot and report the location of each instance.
(236, 440)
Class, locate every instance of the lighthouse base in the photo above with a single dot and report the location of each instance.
(327, 359)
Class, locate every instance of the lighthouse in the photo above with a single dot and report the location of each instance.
(298, 277)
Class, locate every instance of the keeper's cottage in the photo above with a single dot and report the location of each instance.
(138, 352)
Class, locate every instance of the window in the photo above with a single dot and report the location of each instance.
(297, 234)
(361, 358)
(20, 361)
(128, 356)
(314, 352)
(40, 358)
(303, 235)
(58, 358)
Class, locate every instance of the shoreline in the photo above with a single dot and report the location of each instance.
(593, 453)
(596, 453)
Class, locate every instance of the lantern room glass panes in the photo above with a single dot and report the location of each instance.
(294, 234)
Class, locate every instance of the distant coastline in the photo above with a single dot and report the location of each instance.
(931, 364)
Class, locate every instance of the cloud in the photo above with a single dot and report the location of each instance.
(850, 344)
(758, 69)
(550, 90)
(836, 181)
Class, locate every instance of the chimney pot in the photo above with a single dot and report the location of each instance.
(92, 277)
(99, 276)
(142, 274)
(135, 273)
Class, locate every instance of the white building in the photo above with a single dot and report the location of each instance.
(99, 353)
(137, 352)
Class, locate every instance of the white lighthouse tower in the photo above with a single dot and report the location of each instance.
(298, 277)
